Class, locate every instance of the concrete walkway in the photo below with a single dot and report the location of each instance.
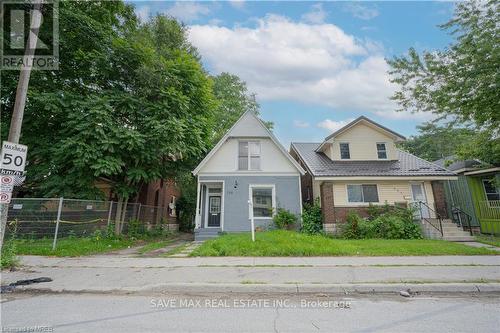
(478, 244)
(233, 274)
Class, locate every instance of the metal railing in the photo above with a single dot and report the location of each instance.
(459, 216)
(439, 226)
(489, 209)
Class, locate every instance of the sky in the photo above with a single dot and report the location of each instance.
(314, 66)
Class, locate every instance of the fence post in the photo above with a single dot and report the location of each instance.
(59, 209)
(138, 212)
(109, 213)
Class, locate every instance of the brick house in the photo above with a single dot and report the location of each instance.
(359, 165)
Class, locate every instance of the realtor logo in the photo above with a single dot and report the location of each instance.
(19, 24)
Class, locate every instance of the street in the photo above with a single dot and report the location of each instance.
(245, 313)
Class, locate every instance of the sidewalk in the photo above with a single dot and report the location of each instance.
(261, 274)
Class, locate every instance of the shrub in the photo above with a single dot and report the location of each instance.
(312, 221)
(186, 210)
(9, 250)
(375, 211)
(136, 228)
(351, 229)
(284, 219)
(393, 224)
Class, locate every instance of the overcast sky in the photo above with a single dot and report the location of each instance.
(313, 65)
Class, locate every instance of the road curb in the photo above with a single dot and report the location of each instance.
(298, 289)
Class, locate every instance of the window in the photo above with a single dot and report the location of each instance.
(344, 151)
(381, 151)
(492, 193)
(249, 155)
(263, 201)
(362, 193)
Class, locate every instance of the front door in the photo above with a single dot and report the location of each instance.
(214, 206)
(418, 195)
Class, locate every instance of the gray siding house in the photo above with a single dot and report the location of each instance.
(248, 173)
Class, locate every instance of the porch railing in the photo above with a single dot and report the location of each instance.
(489, 209)
(436, 223)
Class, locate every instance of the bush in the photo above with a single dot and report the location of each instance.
(284, 219)
(136, 229)
(393, 224)
(186, 210)
(351, 229)
(312, 221)
(9, 250)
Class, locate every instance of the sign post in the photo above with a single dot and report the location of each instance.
(12, 163)
(252, 222)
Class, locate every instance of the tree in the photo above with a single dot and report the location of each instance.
(233, 100)
(434, 142)
(461, 81)
(128, 103)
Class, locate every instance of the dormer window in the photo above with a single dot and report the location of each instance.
(344, 151)
(381, 151)
(249, 155)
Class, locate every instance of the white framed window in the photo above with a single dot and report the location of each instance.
(491, 191)
(249, 155)
(345, 154)
(263, 198)
(362, 193)
(381, 150)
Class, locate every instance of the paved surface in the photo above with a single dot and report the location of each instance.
(486, 246)
(109, 261)
(186, 251)
(159, 313)
(107, 274)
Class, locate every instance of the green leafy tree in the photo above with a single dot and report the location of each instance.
(434, 142)
(233, 100)
(461, 81)
(128, 103)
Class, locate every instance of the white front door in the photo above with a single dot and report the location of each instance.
(418, 195)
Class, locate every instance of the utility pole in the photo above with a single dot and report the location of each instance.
(21, 92)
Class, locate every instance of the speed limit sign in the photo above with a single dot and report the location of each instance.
(13, 158)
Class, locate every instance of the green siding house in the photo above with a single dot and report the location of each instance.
(475, 197)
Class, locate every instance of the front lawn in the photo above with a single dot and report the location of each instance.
(70, 247)
(289, 243)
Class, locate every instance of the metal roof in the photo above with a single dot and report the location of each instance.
(406, 165)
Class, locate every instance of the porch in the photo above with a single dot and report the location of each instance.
(209, 218)
(489, 216)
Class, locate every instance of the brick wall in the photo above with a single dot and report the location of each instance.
(327, 204)
(439, 197)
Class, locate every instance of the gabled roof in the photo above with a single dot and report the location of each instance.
(355, 122)
(267, 133)
(407, 165)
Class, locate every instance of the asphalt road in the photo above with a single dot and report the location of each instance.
(212, 313)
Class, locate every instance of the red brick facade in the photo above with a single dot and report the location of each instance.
(160, 193)
(327, 204)
(439, 197)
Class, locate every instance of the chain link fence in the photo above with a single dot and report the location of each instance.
(54, 218)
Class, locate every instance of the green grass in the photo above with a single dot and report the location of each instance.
(70, 247)
(490, 240)
(154, 246)
(290, 243)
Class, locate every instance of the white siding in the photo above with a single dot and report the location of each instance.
(388, 191)
(225, 159)
(248, 126)
(362, 141)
